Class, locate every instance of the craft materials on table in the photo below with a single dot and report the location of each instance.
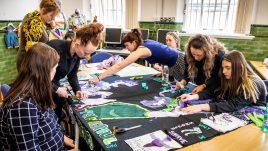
(114, 110)
(130, 71)
(156, 141)
(223, 122)
(156, 102)
(117, 130)
(96, 101)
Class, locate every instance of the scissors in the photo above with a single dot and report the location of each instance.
(117, 129)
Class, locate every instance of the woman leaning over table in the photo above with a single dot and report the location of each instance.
(151, 51)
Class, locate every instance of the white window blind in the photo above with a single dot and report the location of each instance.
(109, 12)
(210, 15)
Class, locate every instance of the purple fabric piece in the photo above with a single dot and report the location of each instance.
(84, 61)
(182, 104)
(156, 102)
(105, 64)
(100, 83)
(127, 81)
(254, 110)
(191, 102)
(158, 142)
(57, 31)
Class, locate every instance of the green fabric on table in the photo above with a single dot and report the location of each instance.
(118, 110)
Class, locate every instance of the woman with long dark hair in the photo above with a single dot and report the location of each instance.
(240, 87)
(27, 119)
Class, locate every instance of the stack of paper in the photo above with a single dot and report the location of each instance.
(136, 71)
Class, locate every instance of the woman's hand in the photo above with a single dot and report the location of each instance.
(62, 92)
(196, 108)
(158, 67)
(93, 80)
(81, 94)
(68, 142)
(188, 97)
(181, 85)
(199, 88)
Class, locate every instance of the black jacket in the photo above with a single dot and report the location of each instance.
(200, 78)
(235, 103)
(68, 65)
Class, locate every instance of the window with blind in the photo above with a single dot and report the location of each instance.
(109, 12)
(210, 15)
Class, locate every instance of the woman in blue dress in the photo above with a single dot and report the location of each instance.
(11, 38)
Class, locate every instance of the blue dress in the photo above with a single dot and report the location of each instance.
(161, 53)
(11, 37)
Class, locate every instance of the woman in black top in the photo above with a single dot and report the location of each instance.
(240, 87)
(203, 59)
(85, 43)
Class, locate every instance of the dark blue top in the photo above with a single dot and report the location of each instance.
(25, 126)
(68, 65)
(161, 53)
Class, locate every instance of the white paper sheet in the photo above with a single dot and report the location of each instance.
(97, 101)
(140, 143)
(136, 71)
(221, 124)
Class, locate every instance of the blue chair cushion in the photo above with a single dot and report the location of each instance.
(4, 89)
(99, 57)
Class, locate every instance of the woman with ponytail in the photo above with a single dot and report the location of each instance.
(151, 51)
(86, 41)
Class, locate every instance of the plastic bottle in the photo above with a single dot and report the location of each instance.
(165, 74)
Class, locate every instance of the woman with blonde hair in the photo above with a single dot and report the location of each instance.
(240, 87)
(35, 26)
(177, 72)
(203, 59)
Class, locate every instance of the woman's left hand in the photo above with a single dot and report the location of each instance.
(199, 88)
(93, 80)
(196, 108)
(81, 94)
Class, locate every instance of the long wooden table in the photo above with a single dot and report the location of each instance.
(247, 138)
(260, 68)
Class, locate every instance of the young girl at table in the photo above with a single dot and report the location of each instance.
(151, 51)
(203, 60)
(28, 121)
(240, 87)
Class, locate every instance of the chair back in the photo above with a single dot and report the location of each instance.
(99, 57)
(4, 89)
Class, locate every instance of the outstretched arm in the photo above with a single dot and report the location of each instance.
(139, 53)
